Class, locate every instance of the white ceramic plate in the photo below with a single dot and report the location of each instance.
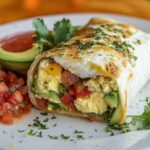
(94, 134)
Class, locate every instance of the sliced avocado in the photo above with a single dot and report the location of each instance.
(54, 96)
(21, 67)
(116, 115)
(117, 112)
(52, 106)
(25, 56)
(49, 95)
(112, 99)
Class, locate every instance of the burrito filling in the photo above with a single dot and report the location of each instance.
(60, 89)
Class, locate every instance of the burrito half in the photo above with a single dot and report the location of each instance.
(95, 74)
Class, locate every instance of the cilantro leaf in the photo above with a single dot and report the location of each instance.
(142, 121)
(43, 36)
(63, 31)
(45, 40)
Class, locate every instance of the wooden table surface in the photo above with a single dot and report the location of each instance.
(12, 10)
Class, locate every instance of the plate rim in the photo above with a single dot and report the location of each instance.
(75, 14)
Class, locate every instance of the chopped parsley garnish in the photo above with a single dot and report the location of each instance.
(123, 128)
(55, 125)
(35, 133)
(20, 130)
(95, 130)
(32, 132)
(37, 123)
(45, 40)
(137, 42)
(53, 137)
(46, 120)
(44, 113)
(100, 31)
(77, 132)
(83, 45)
(147, 99)
(135, 58)
(39, 134)
(80, 137)
(121, 46)
(65, 137)
(53, 117)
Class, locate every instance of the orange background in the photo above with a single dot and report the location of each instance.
(11, 10)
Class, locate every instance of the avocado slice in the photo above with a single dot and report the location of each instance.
(112, 99)
(116, 115)
(117, 112)
(54, 97)
(52, 106)
(21, 67)
(48, 95)
(25, 56)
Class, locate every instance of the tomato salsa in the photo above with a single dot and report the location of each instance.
(14, 100)
(18, 42)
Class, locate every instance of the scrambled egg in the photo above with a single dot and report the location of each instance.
(93, 104)
(49, 76)
(101, 84)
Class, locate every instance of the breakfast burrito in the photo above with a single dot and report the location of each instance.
(95, 74)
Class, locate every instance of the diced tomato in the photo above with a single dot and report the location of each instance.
(14, 100)
(13, 85)
(2, 100)
(67, 98)
(20, 81)
(72, 106)
(11, 77)
(16, 110)
(6, 95)
(7, 118)
(82, 91)
(72, 91)
(3, 87)
(6, 107)
(27, 108)
(26, 98)
(2, 75)
(23, 90)
(16, 97)
(42, 103)
(1, 111)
